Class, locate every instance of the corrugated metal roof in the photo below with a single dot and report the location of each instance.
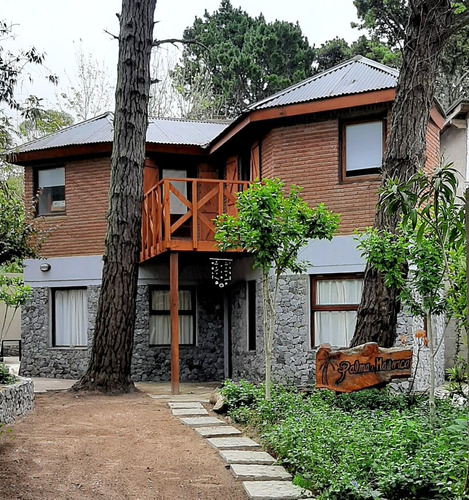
(99, 129)
(351, 77)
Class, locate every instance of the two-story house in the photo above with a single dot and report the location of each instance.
(325, 134)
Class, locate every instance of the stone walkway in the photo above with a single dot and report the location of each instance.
(262, 479)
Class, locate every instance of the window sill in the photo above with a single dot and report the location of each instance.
(360, 178)
(68, 348)
(62, 214)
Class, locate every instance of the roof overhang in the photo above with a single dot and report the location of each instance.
(102, 148)
(305, 108)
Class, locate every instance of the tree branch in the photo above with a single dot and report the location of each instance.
(174, 41)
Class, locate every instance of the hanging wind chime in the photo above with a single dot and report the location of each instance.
(221, 271)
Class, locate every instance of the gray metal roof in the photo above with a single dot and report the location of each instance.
(354, 76)
(100, 129)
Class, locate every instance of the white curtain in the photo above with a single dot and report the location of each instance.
(160, 324)
(336, 327)
(338, 292)
(71, 318)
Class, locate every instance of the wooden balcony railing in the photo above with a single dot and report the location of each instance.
(178, 214)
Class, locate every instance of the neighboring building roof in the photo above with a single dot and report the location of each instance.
(354, 76)
(100, 129)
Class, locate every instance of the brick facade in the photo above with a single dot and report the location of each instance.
(82, 229)
(309, 155)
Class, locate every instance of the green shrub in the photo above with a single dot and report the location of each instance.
(369, 444)
(5, 376)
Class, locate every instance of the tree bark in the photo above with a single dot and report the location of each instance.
(428, 28)
(110, 362)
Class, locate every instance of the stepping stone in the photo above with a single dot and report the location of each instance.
(201, 421)
(260, 472)
(224, 430)
(180, 412)
(247, 457)
(274, 490)
(232, 443)
(184, 404)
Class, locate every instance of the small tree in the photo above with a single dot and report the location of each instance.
(427, 242)
(13, 294)
(273, 225)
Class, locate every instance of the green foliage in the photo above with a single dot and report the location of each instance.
(247, 58)
(429, 241)
(337, 50)
(274, 225)
(365, 445)
(43, 122)
(19, 233)
(5, 375)
(385, 22)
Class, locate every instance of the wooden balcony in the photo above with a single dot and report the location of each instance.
(178, 214)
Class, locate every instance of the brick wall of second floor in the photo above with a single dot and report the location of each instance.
(312, 156)
(79, 227)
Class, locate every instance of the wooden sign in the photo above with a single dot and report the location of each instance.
(361, 367)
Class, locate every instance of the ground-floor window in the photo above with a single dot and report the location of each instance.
(160, 320)
(69, 317)
(251, 314)
(335, 301)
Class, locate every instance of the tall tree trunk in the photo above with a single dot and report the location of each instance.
(428, 28)
(110, 363)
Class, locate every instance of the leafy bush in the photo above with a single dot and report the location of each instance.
(370, 444)
(5, 376)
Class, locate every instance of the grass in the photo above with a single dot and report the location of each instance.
(364, 445)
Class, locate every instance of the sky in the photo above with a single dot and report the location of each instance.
(57, 26)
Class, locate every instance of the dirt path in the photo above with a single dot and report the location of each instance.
(96, 447)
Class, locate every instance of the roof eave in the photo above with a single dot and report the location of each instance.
(303, 108)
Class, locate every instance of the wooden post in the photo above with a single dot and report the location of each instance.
(174, 310)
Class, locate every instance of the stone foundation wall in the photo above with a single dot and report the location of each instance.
(203, 361)
(16, 400)
(293, 360)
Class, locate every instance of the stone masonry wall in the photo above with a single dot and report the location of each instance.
(293, 361)
(16, 400)
(201, 362)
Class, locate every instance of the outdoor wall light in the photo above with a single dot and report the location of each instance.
(44, 267)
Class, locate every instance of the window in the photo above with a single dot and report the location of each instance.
(69, 317)
(335, 302)
(251, 314)
(51, 191)
(362, 148)
(160, 321)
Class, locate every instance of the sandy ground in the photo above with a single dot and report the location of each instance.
(98, 447)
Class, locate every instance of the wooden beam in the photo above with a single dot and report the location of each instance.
(174, 315)
(306, 108)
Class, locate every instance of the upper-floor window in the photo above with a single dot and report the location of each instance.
(51, 191)
(362, 148)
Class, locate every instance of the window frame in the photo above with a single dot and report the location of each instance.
(251, 315)
(50, 213)
(166, 312)
(365, 173)
(54, 320)
(328, 307)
